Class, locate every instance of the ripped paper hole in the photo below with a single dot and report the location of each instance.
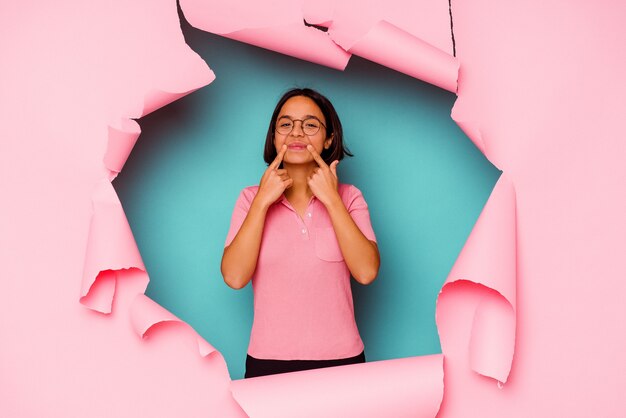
(112, 248)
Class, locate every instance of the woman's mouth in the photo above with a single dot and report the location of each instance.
(296, 147)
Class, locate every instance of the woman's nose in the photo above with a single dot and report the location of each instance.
(297, 128)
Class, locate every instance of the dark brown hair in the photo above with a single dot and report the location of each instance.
(336, 151)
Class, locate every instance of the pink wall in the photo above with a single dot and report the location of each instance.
(531, 318)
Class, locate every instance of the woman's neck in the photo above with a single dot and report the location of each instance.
(299, 173)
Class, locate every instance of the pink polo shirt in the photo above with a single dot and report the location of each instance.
(303, 306)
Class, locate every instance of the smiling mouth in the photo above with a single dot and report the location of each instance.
(296, 147)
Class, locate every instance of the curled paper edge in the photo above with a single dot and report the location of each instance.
(492, 337)
(145, 314)
(158, 98)
(320, 12)
(120, 144)
(108, 223)
(413, 386)
(388, 45)
(366, 48)
(472, 130)
(384, 43)
(289, 40)
(110, 247)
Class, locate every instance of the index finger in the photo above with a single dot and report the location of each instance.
(316, 156)
(279, 157)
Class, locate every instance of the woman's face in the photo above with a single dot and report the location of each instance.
(299, 108)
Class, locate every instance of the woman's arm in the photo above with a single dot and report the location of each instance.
(240, 257)
(360, 254)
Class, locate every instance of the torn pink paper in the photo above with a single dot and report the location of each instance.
(488, 260)
(76, 72)
(378, 32)
(429, 64)
(298, 41)
(353, 19)
(278, 26)
(392, 47)
(471, 130)
(320, 13)
(413, 38)
(157, 98)
(121, 142)
(124, 133)
(556, 136)
(145, 314)
(110, 247)
(406, 387)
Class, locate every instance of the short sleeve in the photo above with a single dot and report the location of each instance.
(242, 206)
(357, 207)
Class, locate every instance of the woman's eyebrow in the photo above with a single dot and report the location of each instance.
(304, 117)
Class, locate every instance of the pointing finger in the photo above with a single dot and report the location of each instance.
(279, 157)
(333, 167)
(316, 156)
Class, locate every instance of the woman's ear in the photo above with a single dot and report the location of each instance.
(329, 141)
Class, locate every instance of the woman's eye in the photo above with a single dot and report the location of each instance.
(311, 125)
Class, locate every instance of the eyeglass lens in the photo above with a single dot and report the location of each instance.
(310, 126)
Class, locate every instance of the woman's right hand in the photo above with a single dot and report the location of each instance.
(274, 181)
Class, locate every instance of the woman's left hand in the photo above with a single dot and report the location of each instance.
(323, 182)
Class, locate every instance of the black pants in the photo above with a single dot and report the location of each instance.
(260, 367)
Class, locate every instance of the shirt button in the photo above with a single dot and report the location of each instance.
(308, 214)
(303, 230)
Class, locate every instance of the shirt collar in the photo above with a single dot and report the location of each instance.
(283, 199)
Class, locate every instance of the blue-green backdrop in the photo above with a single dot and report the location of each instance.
(424, 180)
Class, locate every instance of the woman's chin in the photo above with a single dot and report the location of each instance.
(298, 161)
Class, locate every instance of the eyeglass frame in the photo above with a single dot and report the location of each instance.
(301, 124)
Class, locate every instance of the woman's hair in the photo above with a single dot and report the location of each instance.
(336, 151)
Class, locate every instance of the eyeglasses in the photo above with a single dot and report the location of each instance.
(310, 126)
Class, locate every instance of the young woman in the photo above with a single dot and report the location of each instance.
(299, 236)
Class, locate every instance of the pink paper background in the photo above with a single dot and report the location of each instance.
(534, 299)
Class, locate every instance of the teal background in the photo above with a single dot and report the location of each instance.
(424, 180)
